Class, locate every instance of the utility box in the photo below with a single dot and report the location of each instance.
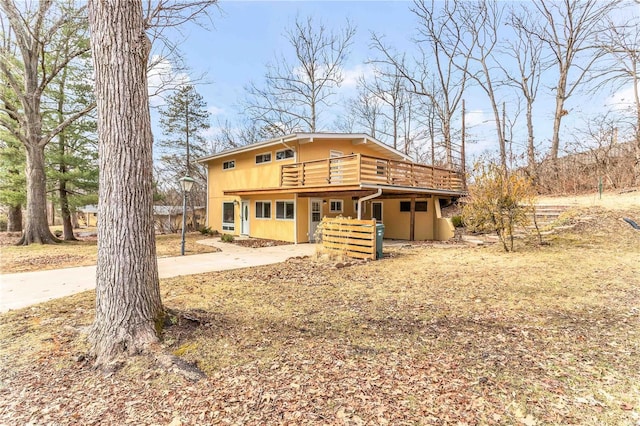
(379, 237)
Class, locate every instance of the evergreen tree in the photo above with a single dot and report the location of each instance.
(13, 184)
(72, 166)
(182, 121)
(32, 34)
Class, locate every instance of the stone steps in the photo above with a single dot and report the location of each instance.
(547, 214)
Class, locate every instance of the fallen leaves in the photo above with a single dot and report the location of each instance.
(461, 336)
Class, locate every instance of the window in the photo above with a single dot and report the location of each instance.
(228, 216)
(405, 206)
(263, 209)
(376, 211)
(355, 207)
(335, 206)
(381, 167)
(284, 154)
(285, 210)
(231, 164)
(263, 158)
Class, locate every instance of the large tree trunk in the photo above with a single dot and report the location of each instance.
(129, 311)
(531, 148)
(37, 228)
(559, 113)
(67, 226)
(14, 218)
(636, 97)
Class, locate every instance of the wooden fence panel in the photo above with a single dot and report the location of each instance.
(350, 237)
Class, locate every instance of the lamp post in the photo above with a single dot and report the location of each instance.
(186, 183)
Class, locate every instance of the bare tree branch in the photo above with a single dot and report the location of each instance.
(294, 92)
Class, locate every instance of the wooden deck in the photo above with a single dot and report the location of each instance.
(356, 169)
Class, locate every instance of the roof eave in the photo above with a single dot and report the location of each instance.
(307, 137)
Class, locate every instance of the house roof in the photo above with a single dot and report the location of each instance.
(89, 208)
(171, 210)
(157, 210)
(356, 139)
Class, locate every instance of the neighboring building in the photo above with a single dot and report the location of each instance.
(87, 215)
(282, 188)
(167, 219)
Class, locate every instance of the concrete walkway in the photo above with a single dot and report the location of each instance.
(28, 288)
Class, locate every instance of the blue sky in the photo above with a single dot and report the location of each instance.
(247, 34)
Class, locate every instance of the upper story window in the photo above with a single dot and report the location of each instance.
(231, 164)
(263, 158)
(283, 154)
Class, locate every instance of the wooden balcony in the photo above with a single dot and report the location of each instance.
(358, 169)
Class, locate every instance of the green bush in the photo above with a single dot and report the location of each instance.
(205, 230)
(227, 238)
(57, 233)
(3, 223)
(457, 221)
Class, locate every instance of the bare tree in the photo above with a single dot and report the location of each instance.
(597, 153)
(129, 313)
(294, 92)
(481, 21)
(526, 50)
(620, 45)
(127, 267)
(569, 30)
(364, 112)
(388, 88)
(32, 31)
(439, 40)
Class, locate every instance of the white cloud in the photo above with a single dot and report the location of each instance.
(475, 118)
(621, 100)
(351, 75)
(161, 78)
(214, 110)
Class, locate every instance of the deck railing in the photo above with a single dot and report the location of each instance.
(357, 168)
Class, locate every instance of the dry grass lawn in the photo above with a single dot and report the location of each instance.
(432, 334)
(38, 257)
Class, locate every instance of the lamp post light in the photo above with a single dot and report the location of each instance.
(186, 183)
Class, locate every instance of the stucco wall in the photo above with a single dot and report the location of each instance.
(248, 175)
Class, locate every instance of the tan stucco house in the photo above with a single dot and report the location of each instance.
(282, 188)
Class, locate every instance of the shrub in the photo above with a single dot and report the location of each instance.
(3, 223)
(457, 221)
(226, 238)
(498, 202)
(57, 233)
(205, 230)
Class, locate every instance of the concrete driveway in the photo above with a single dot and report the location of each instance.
(28, 288)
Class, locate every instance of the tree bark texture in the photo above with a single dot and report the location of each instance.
(128, 307)
(531, 148)
(65, 211)
(37, 227)
(14, 218)
(636, 97)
